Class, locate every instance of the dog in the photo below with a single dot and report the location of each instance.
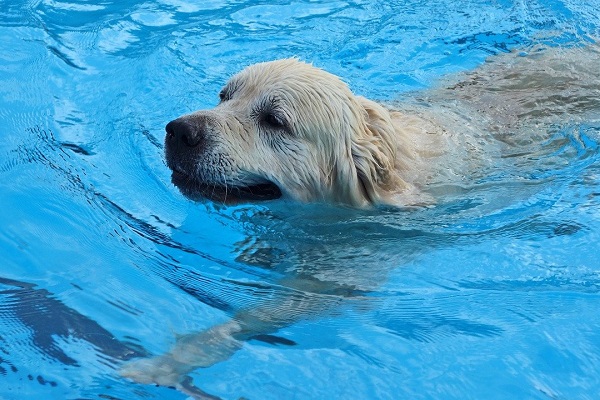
(288, 130)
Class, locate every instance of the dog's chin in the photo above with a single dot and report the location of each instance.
(197, 190)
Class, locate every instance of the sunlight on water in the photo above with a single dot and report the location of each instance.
(491, 292)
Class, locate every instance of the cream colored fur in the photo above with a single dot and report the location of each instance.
(337, 148)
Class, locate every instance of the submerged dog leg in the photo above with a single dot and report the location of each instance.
(218, 343)
(191, 351)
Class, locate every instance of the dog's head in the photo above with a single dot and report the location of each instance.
(284, 128)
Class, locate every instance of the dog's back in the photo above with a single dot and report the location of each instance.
(510, 105)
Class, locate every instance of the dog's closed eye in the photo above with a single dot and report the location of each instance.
(270, 114)
(274, 121)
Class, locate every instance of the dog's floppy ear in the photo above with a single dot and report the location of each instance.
(374, 152)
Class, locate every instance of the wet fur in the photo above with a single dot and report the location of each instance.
(336, 147)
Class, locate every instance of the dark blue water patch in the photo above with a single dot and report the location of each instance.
(40, 379)
(6, 365)
(490, 42)
(566, 229)
(49, 318)
(65, 58)
(273, 340)
(586, 284)
(78, 149)
(428, 330)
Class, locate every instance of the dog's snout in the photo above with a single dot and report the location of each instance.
(183, 132)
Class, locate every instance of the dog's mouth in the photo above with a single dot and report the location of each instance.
(228, 194)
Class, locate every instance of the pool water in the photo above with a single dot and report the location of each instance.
(493, 293)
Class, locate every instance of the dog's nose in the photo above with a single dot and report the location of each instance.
(181, 131)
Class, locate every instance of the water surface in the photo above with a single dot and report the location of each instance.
(491, 294)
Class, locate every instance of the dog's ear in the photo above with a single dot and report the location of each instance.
(375, 155)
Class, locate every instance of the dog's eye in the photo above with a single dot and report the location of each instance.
(274, 121)
(224, 95)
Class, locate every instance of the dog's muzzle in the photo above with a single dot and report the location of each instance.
(185, 141)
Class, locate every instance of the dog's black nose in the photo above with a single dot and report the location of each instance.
(181, 131)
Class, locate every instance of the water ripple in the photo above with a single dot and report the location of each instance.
(497, 284)
(48, 320)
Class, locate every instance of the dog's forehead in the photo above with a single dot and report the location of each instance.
(287, 75)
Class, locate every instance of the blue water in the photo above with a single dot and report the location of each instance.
(493, 294)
